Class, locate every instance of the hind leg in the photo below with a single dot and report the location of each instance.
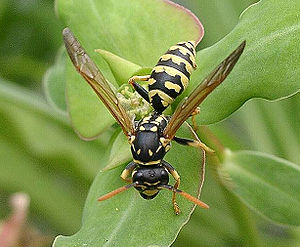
(141, 91)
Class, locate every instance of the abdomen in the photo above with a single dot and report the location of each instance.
(171, 75)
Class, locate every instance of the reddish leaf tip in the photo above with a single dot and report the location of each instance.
(194, 17)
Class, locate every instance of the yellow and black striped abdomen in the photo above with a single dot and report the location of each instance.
(171, 75)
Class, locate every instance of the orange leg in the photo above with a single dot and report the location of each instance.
(176, 176)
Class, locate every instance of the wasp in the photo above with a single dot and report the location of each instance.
(150, 138)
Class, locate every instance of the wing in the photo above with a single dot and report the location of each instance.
(89, 71)
(214, 79)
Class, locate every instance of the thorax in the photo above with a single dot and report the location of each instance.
(149, 146)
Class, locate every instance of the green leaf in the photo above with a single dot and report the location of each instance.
(136, 31)
(139, 32)
(269, 66)
(129, 220)
(121, 68)
(218, 17)
(209, 225)
(27, 47)
(272, 127)
(54, 82)
(119, 152)
(44, 158)
(269, 185)
(88, 115)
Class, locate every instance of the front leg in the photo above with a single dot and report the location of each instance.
(142, 91)
(127, 171)
(176, 176)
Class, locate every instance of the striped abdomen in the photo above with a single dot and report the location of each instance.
(171, 75)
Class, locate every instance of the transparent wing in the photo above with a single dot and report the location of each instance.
(89, 71)
(214, 79)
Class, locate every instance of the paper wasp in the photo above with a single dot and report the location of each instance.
(150, 138)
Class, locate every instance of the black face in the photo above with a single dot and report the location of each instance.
(149, 178)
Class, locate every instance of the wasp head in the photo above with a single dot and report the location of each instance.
(148, 179)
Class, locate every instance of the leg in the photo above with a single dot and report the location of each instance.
(194, 113)
(176, 176)
(193, 143)
(142, 91)
(128, 169)
(203, 153)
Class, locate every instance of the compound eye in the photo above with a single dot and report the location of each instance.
(138, 177)
(164, 177)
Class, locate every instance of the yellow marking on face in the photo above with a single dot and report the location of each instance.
(168, 100)
(153, 129)
(138, 152)
(152, 184)
(142, 128)
(150, 152)
(178, 60)
(170, 85)
(167, 148)
(172, 72)
(150, 192)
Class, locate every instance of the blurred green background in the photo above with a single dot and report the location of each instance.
(42, 156)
